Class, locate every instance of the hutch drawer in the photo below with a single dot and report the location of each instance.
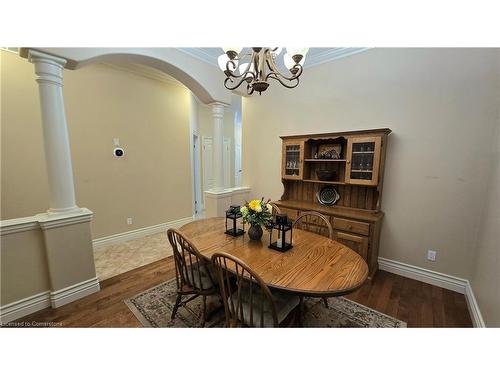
(351, 226)
(357, 243)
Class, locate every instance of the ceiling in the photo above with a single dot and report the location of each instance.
(315, 56)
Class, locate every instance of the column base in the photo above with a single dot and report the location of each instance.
(68, 210)
(218, 201)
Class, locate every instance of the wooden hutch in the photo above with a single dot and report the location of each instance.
(355, 169)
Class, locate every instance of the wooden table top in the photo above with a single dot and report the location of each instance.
(315, 266)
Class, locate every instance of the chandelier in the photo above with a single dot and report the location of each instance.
(260, 66)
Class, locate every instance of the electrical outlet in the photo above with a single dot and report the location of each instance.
(129, 221)
(431, 255)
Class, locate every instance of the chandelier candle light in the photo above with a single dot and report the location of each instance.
(260, 67)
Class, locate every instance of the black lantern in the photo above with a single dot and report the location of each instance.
(284, 228)
(234, 229)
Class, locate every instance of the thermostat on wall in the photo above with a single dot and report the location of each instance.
(118, 152)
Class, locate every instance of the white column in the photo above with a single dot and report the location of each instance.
(49, 71)
(218, 146)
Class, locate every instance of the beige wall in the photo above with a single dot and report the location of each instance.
(149, 184)
(23, 262)
(441, 105)
(486, 275)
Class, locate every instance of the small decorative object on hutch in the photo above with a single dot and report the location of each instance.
(256, 213)
(236, 227)
(328, 151)
(352, 162)
(328, 196)
(283, 226)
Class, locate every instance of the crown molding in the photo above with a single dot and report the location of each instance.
(10, 49)
(200, 54)
(333, 54)
(328, 55)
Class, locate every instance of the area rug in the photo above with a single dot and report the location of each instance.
(153, 308)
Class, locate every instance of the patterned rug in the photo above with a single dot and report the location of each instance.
(153, 308)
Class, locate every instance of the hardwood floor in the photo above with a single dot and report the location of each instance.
(419, 304)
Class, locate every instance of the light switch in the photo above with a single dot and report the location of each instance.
(116, 141)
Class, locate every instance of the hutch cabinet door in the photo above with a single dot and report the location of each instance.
(357, 243)
(292, 160)
(363, 160)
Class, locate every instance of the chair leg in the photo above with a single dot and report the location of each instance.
(300, 312)
(325, 300)
(176, 306)
(204, 312)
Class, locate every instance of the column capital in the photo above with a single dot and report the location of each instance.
(218, 109)
(48, 68)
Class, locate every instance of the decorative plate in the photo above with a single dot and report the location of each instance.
(328, 196)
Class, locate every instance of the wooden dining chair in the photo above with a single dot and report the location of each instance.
(193, 274)
(248, 301)
(276, 209)
(315, 222)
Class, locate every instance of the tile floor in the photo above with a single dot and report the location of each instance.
(116, 259)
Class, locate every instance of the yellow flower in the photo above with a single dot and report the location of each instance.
(255, 205)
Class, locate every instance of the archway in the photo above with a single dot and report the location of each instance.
(203, 79)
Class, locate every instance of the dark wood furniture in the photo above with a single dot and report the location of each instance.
(315, 222)
(315, 266)
(193, 273)
(357, 175)
(249, 303)
(276, 209)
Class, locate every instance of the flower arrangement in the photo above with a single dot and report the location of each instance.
(257, 212)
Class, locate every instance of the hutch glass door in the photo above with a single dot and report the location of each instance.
(363, 159)
(293, 156)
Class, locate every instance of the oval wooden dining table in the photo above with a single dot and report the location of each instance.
(315, 266)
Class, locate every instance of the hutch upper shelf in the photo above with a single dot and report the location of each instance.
(340, 158)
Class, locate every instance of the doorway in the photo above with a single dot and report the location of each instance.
(237, 149)
(207, 152)
(196, 174)
(227, 162)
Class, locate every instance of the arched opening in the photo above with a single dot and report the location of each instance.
(171, 70)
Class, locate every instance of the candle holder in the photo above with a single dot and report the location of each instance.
(284, 228)
(237, 225)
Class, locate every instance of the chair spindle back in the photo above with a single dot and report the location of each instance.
(189, 264)
(249, 290)
(314, 222)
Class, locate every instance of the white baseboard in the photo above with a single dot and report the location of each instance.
(442, 280)
(421, 274)
(64, 296)
(118, 238)
(37, 302)
(23, 307)
(475, 313)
